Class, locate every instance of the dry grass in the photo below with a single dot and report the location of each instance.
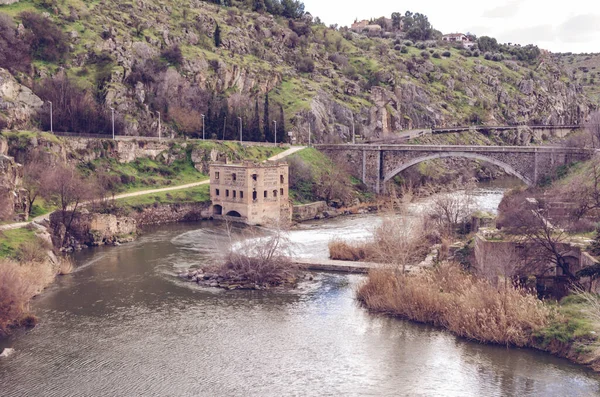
(450, 298)
(66, 266)
(398, 241)
(344, 251)
(18, 284)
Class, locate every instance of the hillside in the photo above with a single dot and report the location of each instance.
(584, 69)
(146, 57)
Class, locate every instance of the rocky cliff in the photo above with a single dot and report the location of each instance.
(329, 80)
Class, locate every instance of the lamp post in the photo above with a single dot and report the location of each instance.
(240, 119)
(51, 126)
(202, 127)
(158, 125)
(113, 122)
(275, 132)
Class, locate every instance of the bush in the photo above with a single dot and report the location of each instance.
(404, 50)
(447, 54)
(448, 297)
(173, 55)
(14, 50)
(436, 55)
(425, 54)
(343, 251)
(305, 65)
(48, 42)
(475, 53)
(408, 43)
(18, 284)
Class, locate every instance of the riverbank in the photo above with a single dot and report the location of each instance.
(472, 308)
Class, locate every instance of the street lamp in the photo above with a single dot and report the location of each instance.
(202, 127)
(51, 127)
(113, 122)
(158, 125)
(240, 119)
(275, 133)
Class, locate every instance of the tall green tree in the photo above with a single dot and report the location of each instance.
(281, 131)
(259, 5)
(292, 8)
(267, 121)
(257, 133)
(217, 36)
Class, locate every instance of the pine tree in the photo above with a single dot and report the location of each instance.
(256, 132)
(218, 36)
(258, 5)
(281, 136)
(267, 121)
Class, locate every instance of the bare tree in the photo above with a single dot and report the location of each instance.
(65, 186)
(583, 190)
(33, 174)
(452, 207)
(545, 246)
(593, 127)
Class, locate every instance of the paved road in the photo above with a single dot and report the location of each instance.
(41, 218)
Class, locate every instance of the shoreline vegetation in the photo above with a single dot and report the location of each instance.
(448, 297)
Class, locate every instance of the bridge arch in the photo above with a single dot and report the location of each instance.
(509, 169)
(234, 214)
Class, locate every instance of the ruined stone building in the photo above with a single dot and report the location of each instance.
(256, 193)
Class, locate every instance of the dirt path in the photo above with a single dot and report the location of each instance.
(41, 218)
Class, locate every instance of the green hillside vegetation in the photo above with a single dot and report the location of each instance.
(150, 57)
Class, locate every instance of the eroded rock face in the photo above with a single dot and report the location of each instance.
(13, 201)
(17, 102)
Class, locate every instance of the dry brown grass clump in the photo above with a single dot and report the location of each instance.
(65, 266)
(18, 284)
(344, 251)
(448, 297)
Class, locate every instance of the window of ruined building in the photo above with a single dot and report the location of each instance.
(241, 194)
(227, 193)
(274, 193)
(216, 174)
(255, 177)
(254, 195)
(265, 194)
(233, 177)
(281, 191)
(234, 194)
(217, 192)
(281, 179)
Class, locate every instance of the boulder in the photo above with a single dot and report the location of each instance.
(17, 102)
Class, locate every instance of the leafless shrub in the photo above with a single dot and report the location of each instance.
(452, 207)
(260, 260)
(66, 266)
(18, 284)
(448, 297)
(32, 252)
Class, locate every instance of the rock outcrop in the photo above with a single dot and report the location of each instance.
(18, 103)
(13, 200)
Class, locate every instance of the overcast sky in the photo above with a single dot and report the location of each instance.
(558, 26)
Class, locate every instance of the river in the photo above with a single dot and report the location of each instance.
(123, 325)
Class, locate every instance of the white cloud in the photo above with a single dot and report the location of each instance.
(507, 10)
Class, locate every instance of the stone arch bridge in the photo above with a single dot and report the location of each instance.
(377, 164)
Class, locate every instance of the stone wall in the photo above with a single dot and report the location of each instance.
(305, 212)
(171, 213)
(13, 200)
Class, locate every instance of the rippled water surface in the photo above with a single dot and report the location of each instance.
(123, 325)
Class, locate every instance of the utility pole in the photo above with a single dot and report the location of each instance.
(239, 118)
(113, 122)
(275, 132)
(202, 127)
(159, 132)
(51, 126)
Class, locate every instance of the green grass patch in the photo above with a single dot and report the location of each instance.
(198, 194)
(11, 240)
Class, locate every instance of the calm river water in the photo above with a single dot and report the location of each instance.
(123, 325)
